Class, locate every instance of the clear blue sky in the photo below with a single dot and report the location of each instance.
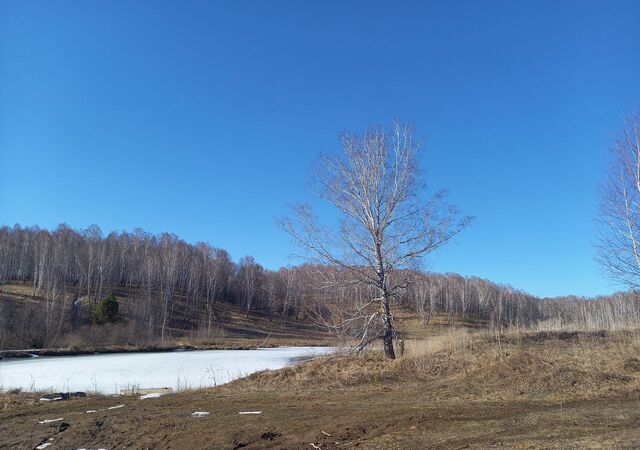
(203, 118)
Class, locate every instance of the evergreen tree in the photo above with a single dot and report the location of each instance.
(106, 311)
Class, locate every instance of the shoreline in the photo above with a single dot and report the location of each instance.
(30, 353)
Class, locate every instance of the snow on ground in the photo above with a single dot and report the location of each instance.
(108, 373)
(152, 395)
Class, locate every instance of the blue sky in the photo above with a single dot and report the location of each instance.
(203, 118)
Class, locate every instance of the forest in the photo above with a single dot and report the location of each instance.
(173, 288)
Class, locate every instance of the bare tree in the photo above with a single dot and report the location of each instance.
(170, 258)
(387, 222)
(250, 274)
(425, 289)
(619, 221)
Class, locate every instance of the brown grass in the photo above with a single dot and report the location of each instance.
(20, 290)
(557, 325)
(477, 365)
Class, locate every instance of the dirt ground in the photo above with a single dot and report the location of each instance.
(569, 391)
(382, 417)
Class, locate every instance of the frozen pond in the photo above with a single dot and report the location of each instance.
(108, 373)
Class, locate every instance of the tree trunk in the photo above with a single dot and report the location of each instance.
(387, 337)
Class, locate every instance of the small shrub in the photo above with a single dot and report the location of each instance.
(106, 311)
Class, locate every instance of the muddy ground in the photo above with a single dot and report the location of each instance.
(385, 417)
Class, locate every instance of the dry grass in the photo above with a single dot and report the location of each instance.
(22, 290)
(475, 365)
(452, 339)
(551, 325)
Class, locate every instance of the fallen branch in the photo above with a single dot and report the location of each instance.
(263, 342)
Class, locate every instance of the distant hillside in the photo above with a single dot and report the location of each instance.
(24, 319)
(52, 283)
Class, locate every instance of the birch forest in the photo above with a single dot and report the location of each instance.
(50, 280)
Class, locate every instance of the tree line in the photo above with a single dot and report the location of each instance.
(176, 285)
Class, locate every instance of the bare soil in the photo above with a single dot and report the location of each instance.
(389, 417)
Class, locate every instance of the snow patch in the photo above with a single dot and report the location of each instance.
(51, 420)
(152, 395)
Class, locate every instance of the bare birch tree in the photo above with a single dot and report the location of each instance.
(387, 222)
(250, 274)
(619, 221)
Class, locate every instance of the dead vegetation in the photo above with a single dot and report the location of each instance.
(551, 366)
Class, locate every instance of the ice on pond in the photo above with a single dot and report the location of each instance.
(109, 373)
